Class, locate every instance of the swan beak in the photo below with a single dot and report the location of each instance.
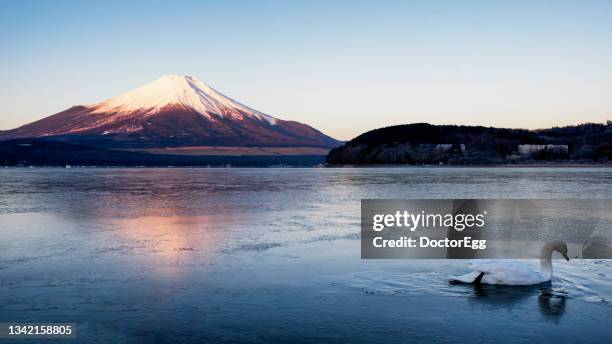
(566, 257)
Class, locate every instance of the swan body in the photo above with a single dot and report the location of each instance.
(511, 272)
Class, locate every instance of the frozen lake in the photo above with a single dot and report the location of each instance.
(259, 255)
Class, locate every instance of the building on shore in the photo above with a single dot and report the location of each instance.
(449, 146)
(528, 150)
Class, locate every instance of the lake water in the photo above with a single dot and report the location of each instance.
(260, 255)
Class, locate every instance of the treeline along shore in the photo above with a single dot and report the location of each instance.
(423, 143)
(40, 152)
(410, 144)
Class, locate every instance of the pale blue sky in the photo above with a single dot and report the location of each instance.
(344, 67)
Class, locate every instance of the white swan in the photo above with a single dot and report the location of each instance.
(508, 272)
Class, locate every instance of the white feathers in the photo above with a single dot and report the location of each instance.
(512, 272)
(506, 272)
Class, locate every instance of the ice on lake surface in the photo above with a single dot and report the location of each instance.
(259, 255)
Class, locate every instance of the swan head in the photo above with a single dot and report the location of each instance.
(561, 247)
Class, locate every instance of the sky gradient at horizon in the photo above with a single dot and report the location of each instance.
(343, 67)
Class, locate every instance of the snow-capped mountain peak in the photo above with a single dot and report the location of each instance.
(172, 111)
(172, 90)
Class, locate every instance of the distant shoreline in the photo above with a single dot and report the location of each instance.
(569, 165)
(427, 144)
(322, 166)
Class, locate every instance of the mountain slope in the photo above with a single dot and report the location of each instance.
(172, 111)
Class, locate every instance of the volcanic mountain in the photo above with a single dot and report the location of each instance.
(172, 111)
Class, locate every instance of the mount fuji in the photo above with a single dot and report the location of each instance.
(172, 111)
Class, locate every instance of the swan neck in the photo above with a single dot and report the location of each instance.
(546, 261)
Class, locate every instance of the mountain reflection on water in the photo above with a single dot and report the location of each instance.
(173, 255)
